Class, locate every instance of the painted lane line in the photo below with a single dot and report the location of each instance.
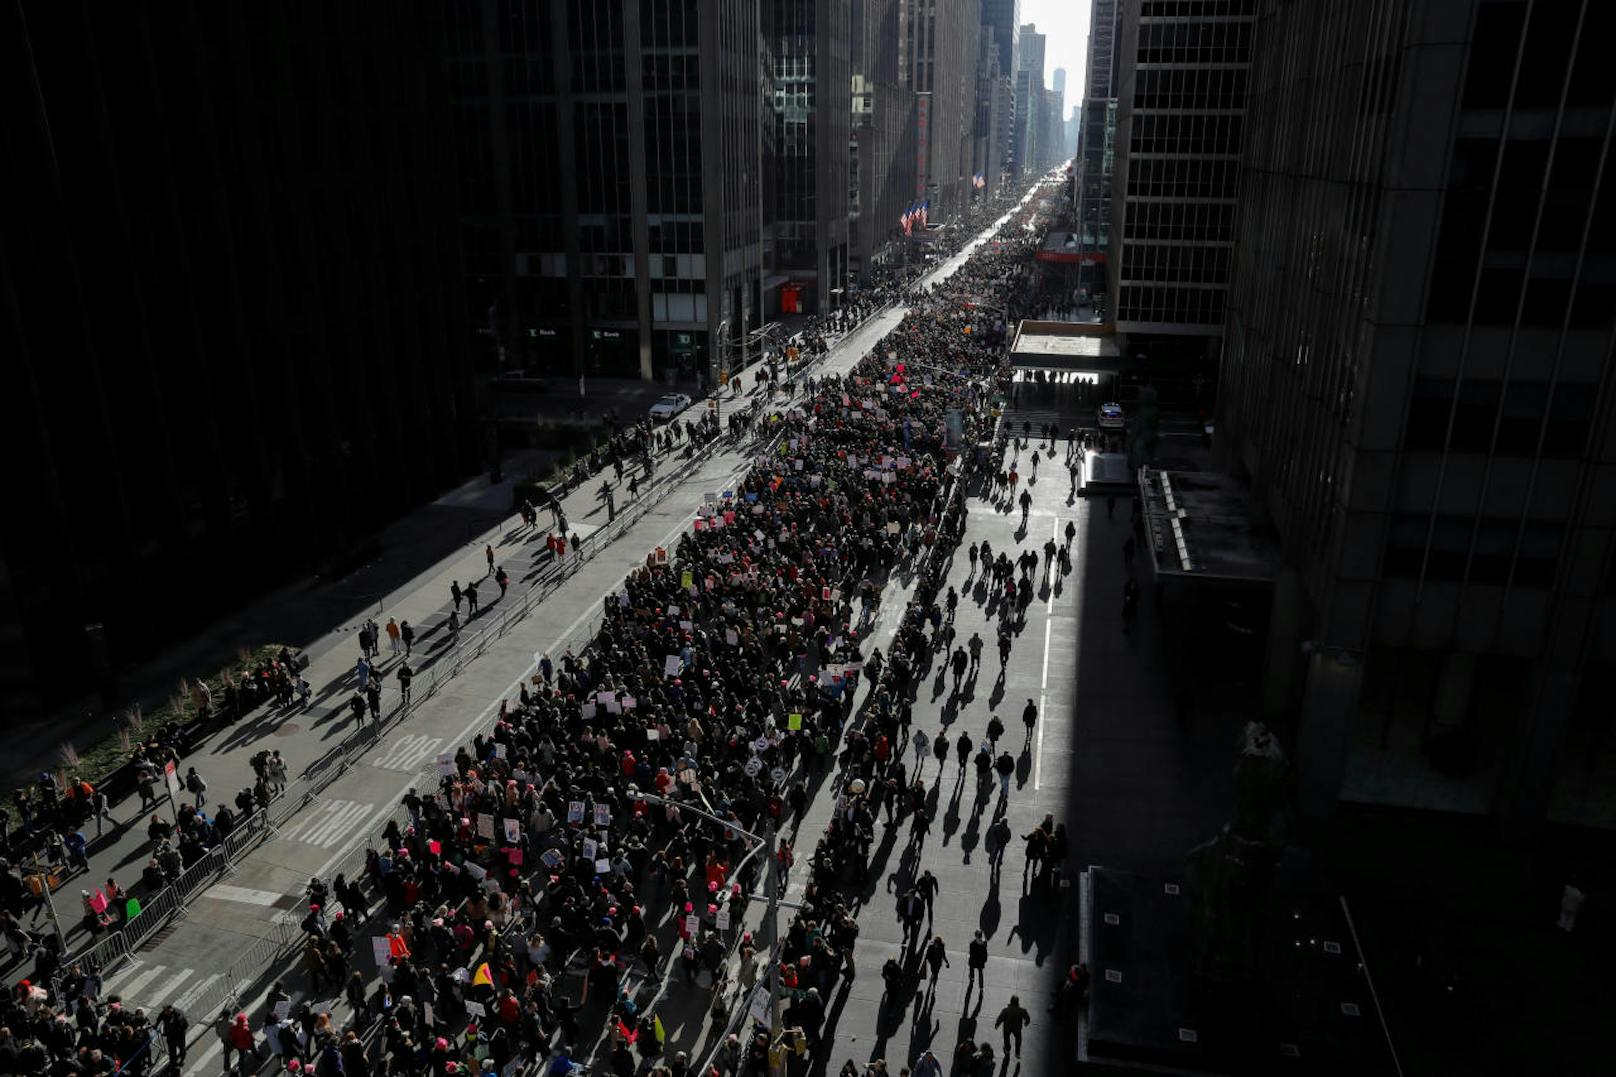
(244, 894)
(167, 988)
(133, 987)
(187, 1000)
(1043, 683)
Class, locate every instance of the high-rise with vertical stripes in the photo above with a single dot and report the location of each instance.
(1417, 384)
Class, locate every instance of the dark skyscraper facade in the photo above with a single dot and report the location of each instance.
(809, 163)
(1095, 121)
(230, 308)
(1417, 383)
(940, 59)
(611, 158)
(1029, 99)
(884, 133)
(1003, 17)
(1181, 95)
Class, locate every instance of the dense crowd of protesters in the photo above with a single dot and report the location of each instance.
(600, 841)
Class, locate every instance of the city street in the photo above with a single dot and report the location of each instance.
(225, 949)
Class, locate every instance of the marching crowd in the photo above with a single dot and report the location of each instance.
(603, 835)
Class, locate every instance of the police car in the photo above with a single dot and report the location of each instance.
(1111, 417)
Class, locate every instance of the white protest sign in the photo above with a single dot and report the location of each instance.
(513, 830)
(603, 815)
(758, 1008)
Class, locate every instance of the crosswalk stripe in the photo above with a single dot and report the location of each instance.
(130, 989)
(187, 1000)
(330, 825)
(166, 988)
(407, 752)
(244, 894)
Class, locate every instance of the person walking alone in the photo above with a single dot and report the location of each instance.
(407, 634)
(196, 787)
(488, 552)
(1012, 1019)
(921, 742)
(977, 960)
(392, 634)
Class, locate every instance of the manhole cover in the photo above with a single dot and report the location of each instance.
(287, 729)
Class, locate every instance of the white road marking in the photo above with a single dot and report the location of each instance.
(408, 753)
(187, 1000)
(1043, 683)
(331, 824)
(132, 988)
(166, 988)
(244, 894)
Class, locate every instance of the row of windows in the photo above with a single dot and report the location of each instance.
(1591, 304)
(681, 236)
(1176, 262)
(595, 40)
(673, 153)
(1168, 133)
(671, 71)
(1184, 87)
(1497, 557)
(1196, 9)
(600, 141)
(1194, 42)
(1182, 177)
(1522, 412)
(669, 23)
(1198, 222)
(1545, 54)
(1184, 306)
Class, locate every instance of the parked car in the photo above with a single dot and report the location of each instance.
(668, 406)
(1111, 417)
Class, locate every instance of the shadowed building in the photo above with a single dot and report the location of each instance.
(1417, 385)
(230, 308)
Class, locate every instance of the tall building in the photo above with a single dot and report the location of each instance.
(940, 59)
(230, 310)
(1095, 145)
(994, 95)
(884, 134)
(809, 164)
(1181, 97)
(1057, 88)
(1051, 132)
(1029, 99)
(1418, 385)
(1003, 17)
(612, 161)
